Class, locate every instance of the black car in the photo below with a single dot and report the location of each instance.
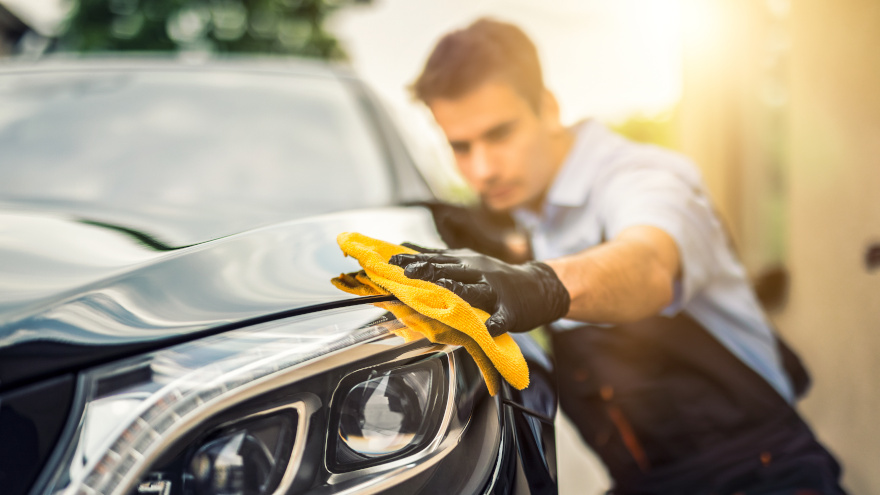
(167, 321)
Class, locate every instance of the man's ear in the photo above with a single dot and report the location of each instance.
(550, 112)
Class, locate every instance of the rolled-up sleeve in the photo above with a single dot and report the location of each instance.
(669, 196)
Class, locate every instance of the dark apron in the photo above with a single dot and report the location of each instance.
(670, 410)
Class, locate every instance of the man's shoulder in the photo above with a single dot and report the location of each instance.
(601, 158)
(632, 156)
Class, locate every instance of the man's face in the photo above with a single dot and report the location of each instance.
(501, 145)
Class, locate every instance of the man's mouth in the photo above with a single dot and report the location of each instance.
(500, 193)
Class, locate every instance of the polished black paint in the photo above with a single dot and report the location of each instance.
(31, 420)
(539, 398)
(529, 457)
(83, 309)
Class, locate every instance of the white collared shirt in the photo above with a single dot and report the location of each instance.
(608, 184)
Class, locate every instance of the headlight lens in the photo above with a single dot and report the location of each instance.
(247, 459)
(385, 414)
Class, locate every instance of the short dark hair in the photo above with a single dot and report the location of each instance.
(464, 59)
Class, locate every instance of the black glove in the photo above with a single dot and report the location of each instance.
(475, 227)
(519, 298)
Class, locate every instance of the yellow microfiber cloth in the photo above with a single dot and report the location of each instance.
(452, 320)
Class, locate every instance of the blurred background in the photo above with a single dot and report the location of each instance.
(777, 101)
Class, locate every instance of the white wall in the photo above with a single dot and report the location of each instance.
(833, 316)
(601, 58)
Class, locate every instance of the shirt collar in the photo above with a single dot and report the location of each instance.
(571, 186)
(572, 183)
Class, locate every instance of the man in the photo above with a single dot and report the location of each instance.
(666, 362)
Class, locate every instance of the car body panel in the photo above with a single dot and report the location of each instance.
(85, 285)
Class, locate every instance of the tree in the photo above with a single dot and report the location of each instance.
(246, 26)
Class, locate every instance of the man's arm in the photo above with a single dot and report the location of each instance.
(624, 280)
(621, 281)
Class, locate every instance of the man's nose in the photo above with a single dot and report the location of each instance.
(481, 164)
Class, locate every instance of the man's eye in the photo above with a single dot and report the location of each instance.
(460, 148)
(499, 133)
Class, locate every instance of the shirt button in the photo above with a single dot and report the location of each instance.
(607, 392)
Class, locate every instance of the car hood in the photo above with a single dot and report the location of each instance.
(75, 291)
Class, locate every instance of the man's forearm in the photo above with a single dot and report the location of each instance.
(621, 281)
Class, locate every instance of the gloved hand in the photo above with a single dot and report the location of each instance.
(519, 298)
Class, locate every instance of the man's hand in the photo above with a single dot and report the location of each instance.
(518, 297)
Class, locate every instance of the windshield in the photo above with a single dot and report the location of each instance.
(279, 146)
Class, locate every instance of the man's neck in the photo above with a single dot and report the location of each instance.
(560, 146)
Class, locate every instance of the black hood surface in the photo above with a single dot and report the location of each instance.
(146, 201)
(76, 290)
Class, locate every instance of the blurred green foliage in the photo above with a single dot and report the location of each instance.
(247, 26)
(658, 129)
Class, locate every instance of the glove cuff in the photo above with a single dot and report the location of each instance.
(554, 293)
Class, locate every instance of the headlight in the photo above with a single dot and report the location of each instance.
(308, 403)
(250, 457)
(386, 414)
